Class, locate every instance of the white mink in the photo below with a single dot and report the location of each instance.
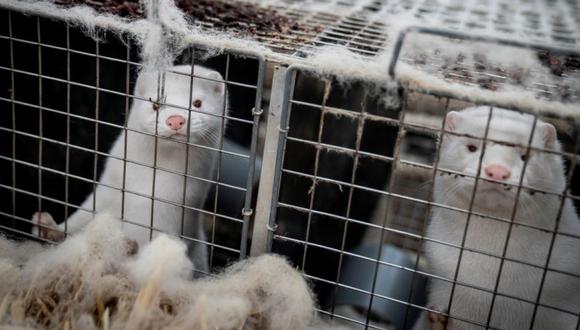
(502, 164)
(171, 123)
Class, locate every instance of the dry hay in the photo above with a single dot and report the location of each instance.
(91, 282)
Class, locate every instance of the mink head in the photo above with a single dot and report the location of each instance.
(503, 155)
(188, 105)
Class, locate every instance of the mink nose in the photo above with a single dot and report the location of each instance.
(497, 172)
(175, 122)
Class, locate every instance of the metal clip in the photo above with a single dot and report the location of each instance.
(247, 213)
(272, 228)
(257, 112)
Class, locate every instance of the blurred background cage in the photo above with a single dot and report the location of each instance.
(332, 168)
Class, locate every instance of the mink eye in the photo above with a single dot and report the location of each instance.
(524, 157)
(471, 148)
(197, 103)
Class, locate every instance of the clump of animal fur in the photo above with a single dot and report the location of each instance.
(91, 281)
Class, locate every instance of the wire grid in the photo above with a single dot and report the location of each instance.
(293, 218)
(366, 27)
(363, 26)
(65, 100)
(461, 58)
(356, 32)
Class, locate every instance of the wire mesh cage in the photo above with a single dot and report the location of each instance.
(417, 177)
(66, 108)
(362, 199)
(371, 212)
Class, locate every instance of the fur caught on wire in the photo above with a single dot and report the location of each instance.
(90, 281)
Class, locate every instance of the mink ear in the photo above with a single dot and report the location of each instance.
(548, 134)
(217, 86)
(452, 119)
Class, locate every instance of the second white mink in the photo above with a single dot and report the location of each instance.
(529, 242)
(166, 184)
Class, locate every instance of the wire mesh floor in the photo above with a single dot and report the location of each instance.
(369, 28)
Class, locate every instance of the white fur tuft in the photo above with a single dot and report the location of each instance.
(89, 281)
(164, 258)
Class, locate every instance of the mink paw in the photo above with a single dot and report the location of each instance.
(45, 227)
(132, 246)
(436, 321)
